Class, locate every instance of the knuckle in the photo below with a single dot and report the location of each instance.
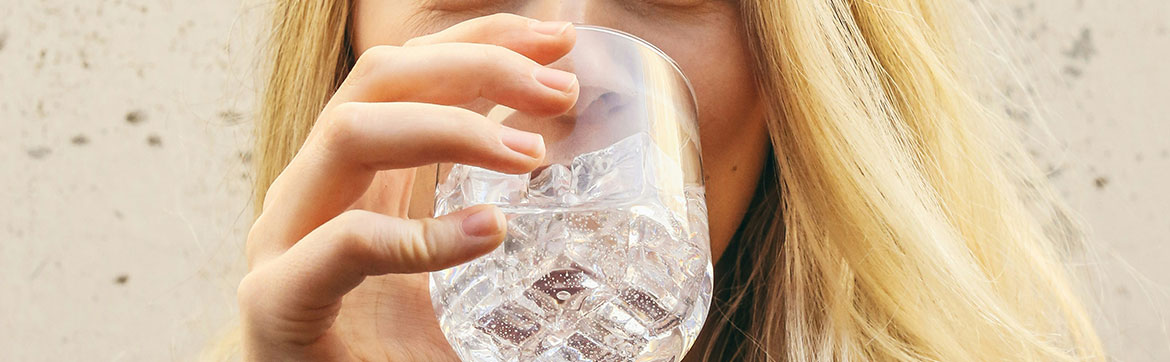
(342, 125)
(416, 41)
(461, 120)
(461, 134)
(249, 293)
(349, 216)
(504, 19)
(473, 30)
(482, 141)
(493, 24)
(424, 238)
(412, 243)
(252, 243)
(261, 241)
(369, 60)
(377, 54)
(270, 195)
(345, 228)
(495, 52)
(497, 58)
(348, 231)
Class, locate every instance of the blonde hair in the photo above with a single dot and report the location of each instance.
(907, 228)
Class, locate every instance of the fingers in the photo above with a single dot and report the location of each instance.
(541, 41)
(377, 119)
(355, 140)
(294, 297)
(496, 57)
(382, 136)
(458, 73)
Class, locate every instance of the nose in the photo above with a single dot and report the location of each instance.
(591, 12)
(600, 78)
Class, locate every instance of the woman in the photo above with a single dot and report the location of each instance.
(864, 205)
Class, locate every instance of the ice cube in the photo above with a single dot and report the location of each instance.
(648, 310)
(616, 172)
(586, 349)
(483, 186)
(562, 288)
(553, 185)
(510, 323)
(606, 258)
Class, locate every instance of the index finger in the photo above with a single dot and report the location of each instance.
(542, 41)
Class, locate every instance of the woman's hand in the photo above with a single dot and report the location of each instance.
(330, 281)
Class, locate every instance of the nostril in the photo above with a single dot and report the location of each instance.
(612, 99)
(609, 97)
(611, 102)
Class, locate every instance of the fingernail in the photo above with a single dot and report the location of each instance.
(556, 79)
(527, 143)
(549, 27)
(487, 222)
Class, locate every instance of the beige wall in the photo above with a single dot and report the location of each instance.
(125, 135)
(1103, 76)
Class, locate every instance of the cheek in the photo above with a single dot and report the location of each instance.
(734, 136)
(726, 92)
(388, 22)
(716, 60)
(720, 69)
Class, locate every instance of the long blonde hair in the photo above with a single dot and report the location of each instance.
(898, 218)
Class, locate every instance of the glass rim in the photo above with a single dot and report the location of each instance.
(656, 50)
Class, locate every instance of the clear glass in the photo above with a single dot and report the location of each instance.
(607, 256)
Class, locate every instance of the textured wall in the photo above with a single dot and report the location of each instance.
(124, 188)
(1102, 75)
(125, 139)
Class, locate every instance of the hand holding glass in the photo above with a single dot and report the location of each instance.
(607, 256)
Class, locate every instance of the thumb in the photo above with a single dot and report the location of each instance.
(294, 299)
(421, 245)
(334, 258)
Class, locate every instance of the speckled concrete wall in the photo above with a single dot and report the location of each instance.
(126, 128)
(1102, 75)
(125, 191)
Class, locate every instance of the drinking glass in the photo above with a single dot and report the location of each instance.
(607, 254)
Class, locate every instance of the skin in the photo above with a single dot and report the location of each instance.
(338, 259)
